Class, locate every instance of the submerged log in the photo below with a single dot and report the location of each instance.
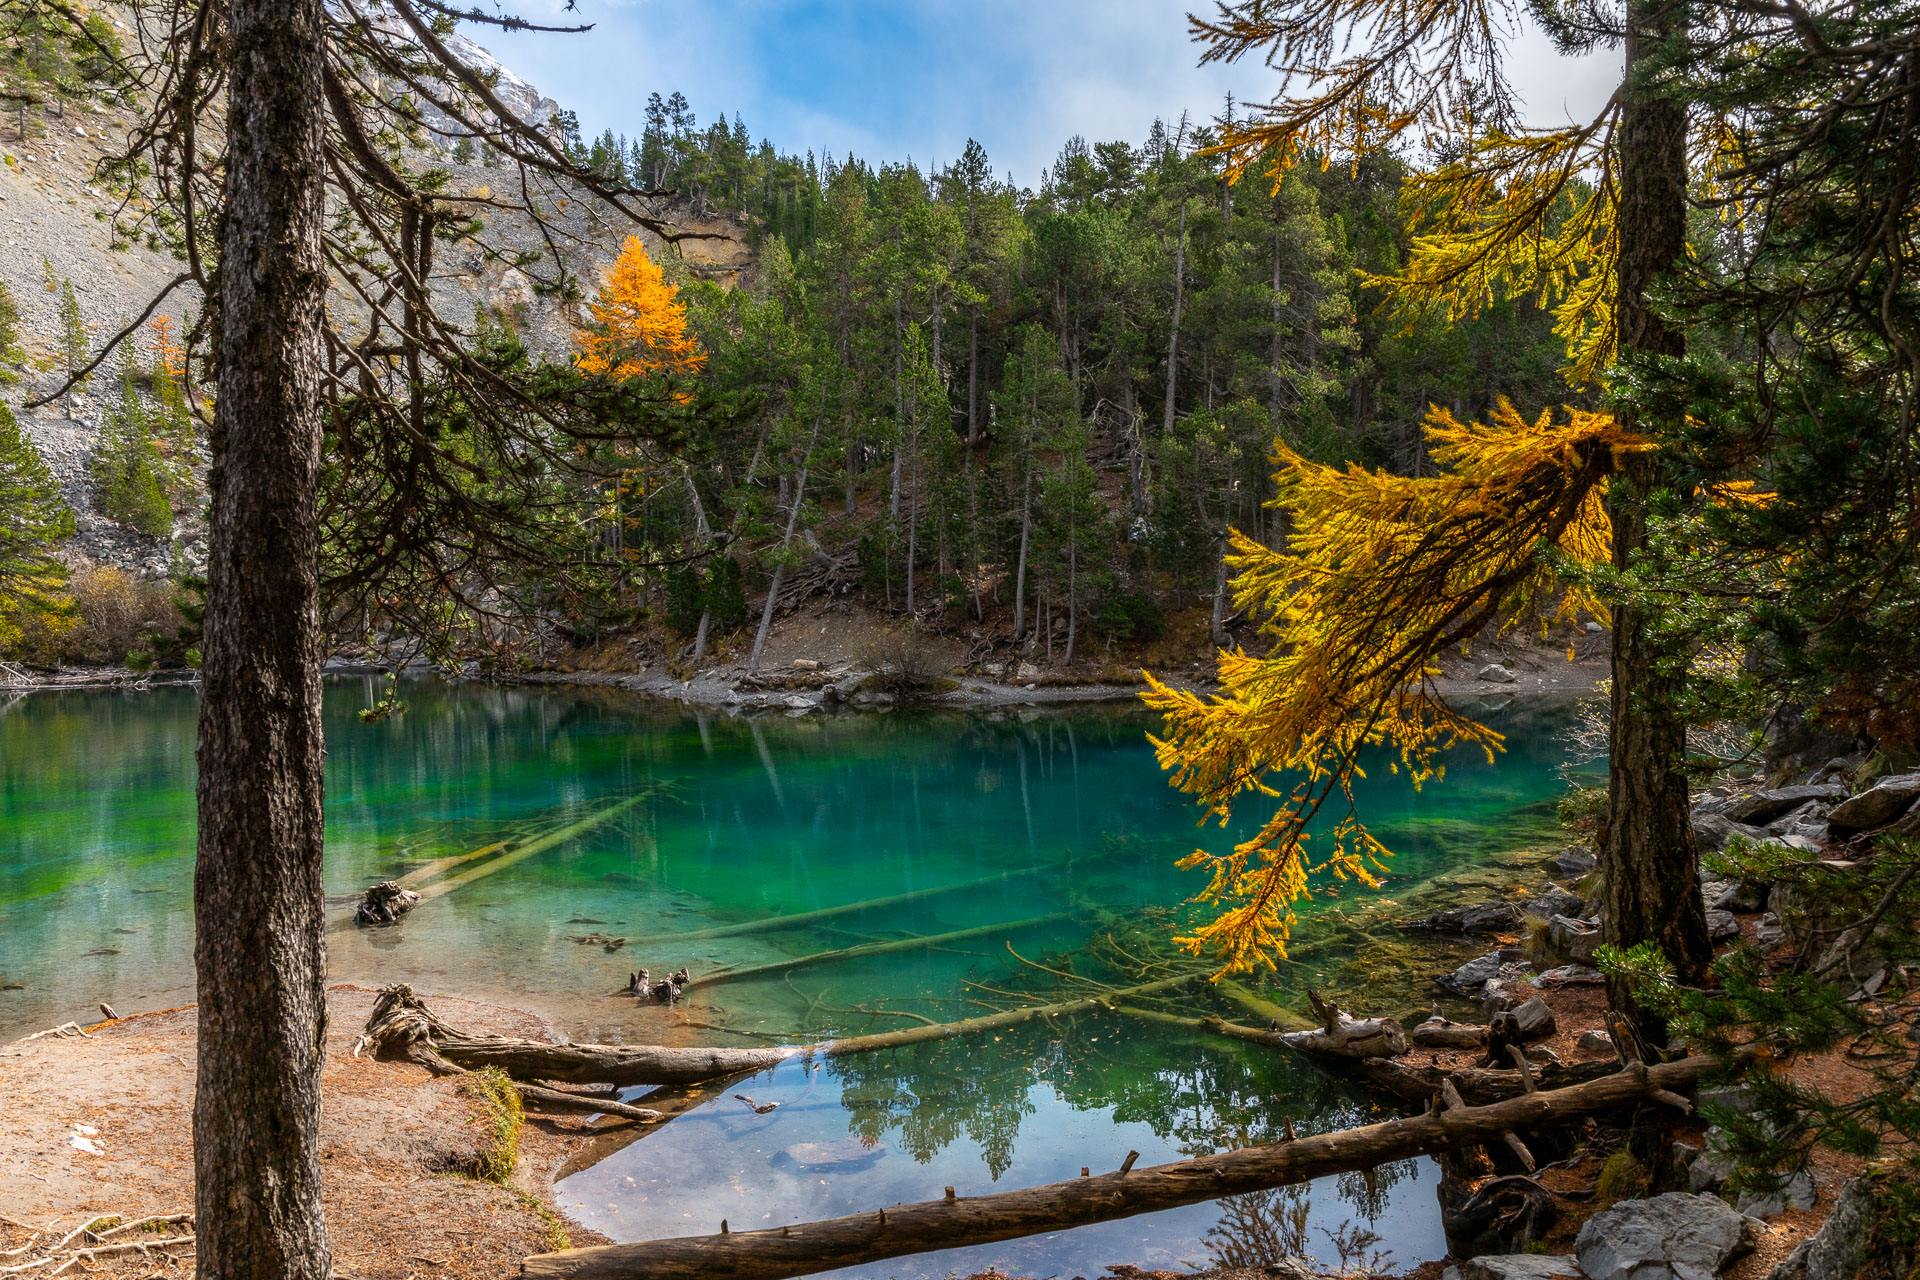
(865, 949)
(801, 920)
(957, 1221)
(400, 1021)
(1342, 1035)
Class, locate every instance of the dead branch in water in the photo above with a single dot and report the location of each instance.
(801, 920)
(954, 1221)
(865, 949)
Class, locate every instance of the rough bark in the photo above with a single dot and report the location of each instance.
(957, 1221)
(1649, 860)
(259, 949)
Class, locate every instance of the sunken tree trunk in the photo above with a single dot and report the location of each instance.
(259, 950)
(1649, 862)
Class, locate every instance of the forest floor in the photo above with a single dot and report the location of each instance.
(101, 1125)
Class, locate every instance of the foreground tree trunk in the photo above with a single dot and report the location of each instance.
(1648, 859)
(259, 949)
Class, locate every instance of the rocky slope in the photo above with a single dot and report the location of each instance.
(55, 225)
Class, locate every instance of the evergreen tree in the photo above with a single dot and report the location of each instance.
(73, 338)
(10, 352)
(127, 466)
(33, 610)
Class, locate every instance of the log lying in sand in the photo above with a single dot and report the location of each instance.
(1341, 1035)
(773, 924)
(400, 1022)
(955, 1222)
(865, 949)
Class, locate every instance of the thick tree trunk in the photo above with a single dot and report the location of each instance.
(1648, 859)
(259, 946)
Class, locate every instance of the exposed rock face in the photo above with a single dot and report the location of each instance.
(1676, 1236)
(1721, 925)
(1882, 803)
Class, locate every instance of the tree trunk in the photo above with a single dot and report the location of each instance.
(1020, 569)
(1173, 339)
(973, 378)
(259, 942)
(1649, 862)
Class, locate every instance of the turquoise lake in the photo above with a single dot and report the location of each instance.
(745, 818)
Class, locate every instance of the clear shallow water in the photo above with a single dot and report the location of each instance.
(767, 816)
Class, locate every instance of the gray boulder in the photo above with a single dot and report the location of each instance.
(1742, 897)
(1494, 673)
(1484, 917)
(1470, 977)
(1842, 1247)
(1721, 925)
(1676, 1236)
(1794, 1192)
(1712, 831)
(1885, 801)
(1770, 933)
(1758, 808)
(1557, 902)
(1522, 1266)
(1574, 939)
(1596, 1042)
(1573, 863)
(1810, 819)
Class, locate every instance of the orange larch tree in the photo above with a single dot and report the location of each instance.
(639, 323)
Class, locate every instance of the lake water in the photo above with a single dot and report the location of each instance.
(745, 818)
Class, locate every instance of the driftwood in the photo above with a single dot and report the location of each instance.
(956, 1221)
(385, 903)
(774, 924)
(1439, 1033)
(400, 1022)
(1341, 1035)
(865, 949)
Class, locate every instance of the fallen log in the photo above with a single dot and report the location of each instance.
(520, 853)
(400, 1022)
(956, 1221)
(862, 950)
(1438, 1032)
(427, 871)
(1342, 1035)
(773, 924)
(1477, 1085)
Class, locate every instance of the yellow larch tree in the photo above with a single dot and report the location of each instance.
(639, 323)
(1378, 575)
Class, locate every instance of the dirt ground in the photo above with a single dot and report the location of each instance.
(390, 1135)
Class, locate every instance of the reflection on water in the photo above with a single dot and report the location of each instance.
(770, 816)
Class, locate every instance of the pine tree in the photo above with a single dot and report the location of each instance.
(73, 338)
(127, 466)
(33, 610)
(10, 352)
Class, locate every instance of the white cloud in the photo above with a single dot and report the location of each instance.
(891, 80)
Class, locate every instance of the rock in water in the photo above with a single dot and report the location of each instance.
(1676, 1236)
(1494, 673)
(1522, 1266)
(844, 1154)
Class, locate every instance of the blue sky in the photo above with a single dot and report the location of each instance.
(919, 77)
